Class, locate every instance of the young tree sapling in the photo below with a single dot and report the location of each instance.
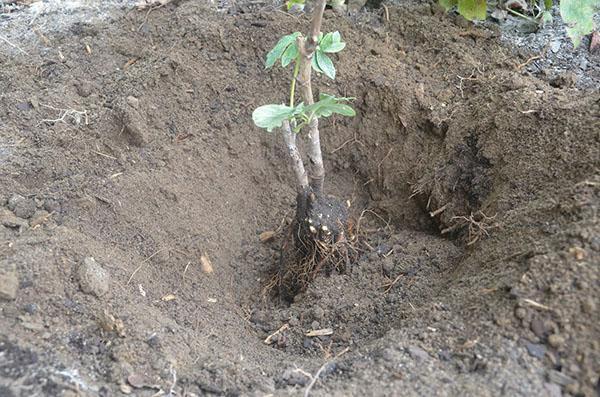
(320, 229)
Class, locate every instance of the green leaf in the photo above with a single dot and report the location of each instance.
(272, 116)
(279, 48)
(289, 55)
(473, 9)
(546, 18)
(547, 4)
(579, 17)
(325, 64)
(315, 65)
(332, 42)
(328, 105)
(296, 4)
(448, 4)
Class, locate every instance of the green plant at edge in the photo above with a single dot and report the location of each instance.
(578, 15)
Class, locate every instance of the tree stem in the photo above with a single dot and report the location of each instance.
(307, 46)
(289, 138)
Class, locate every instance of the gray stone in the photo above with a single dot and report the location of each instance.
(536, 350)
(559, 378)
(93, 279)
(553, 390)
(133, 101)
(25, 208)
(8, 219)
(9, 280)
(417, 353)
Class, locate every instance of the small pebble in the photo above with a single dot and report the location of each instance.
(556, 341)
(417, 353)
(93, 279)
(536, 350)
(588, 305)
(30, 308)
(520, 313)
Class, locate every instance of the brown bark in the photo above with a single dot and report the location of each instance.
(316, 170)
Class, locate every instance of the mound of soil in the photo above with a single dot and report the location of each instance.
(135, 188)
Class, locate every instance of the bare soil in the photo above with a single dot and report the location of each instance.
(475, 188)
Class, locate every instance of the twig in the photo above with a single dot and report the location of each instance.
(387, 12)
(438, 211)
(13, 45)
(314, 379)
(172, 389)
(142, 263)
(391, 285)
(527, 62)
(281, 329)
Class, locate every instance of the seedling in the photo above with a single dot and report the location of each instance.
(319, 230)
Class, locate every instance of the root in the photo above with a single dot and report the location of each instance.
(478, 226)
(317, 256)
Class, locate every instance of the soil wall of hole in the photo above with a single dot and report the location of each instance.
(165, 166)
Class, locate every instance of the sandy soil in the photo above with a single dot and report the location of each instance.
(127, 138)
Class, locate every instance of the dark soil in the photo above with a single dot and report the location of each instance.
(475, 186)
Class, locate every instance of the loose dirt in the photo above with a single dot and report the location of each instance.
(475, 188)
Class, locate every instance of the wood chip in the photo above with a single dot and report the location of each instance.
(320, 332)
(168, 297)
(266, 236)
(271, 338)
(205, 264)
(536, 305)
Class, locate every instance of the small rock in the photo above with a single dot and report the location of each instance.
(315, 325)
(25, 208)
(153, 341)
(536, 350)
(553, 390)
(538, 328)
(135, 124)
(23, 106)
(8, 219)
(520, 313)
(9, 281)
(559, 378)
(588, 305)
(318, 313)
(52, 205)
(572, 388)
(499, 15)
(133, 101)
(125, 388)
(30, 308)
(556, 341)
(417, 353)
(294, 322)
(555, 46)
(93, 279)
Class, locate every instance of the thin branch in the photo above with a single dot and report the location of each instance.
(289, 138)
(13, 45)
